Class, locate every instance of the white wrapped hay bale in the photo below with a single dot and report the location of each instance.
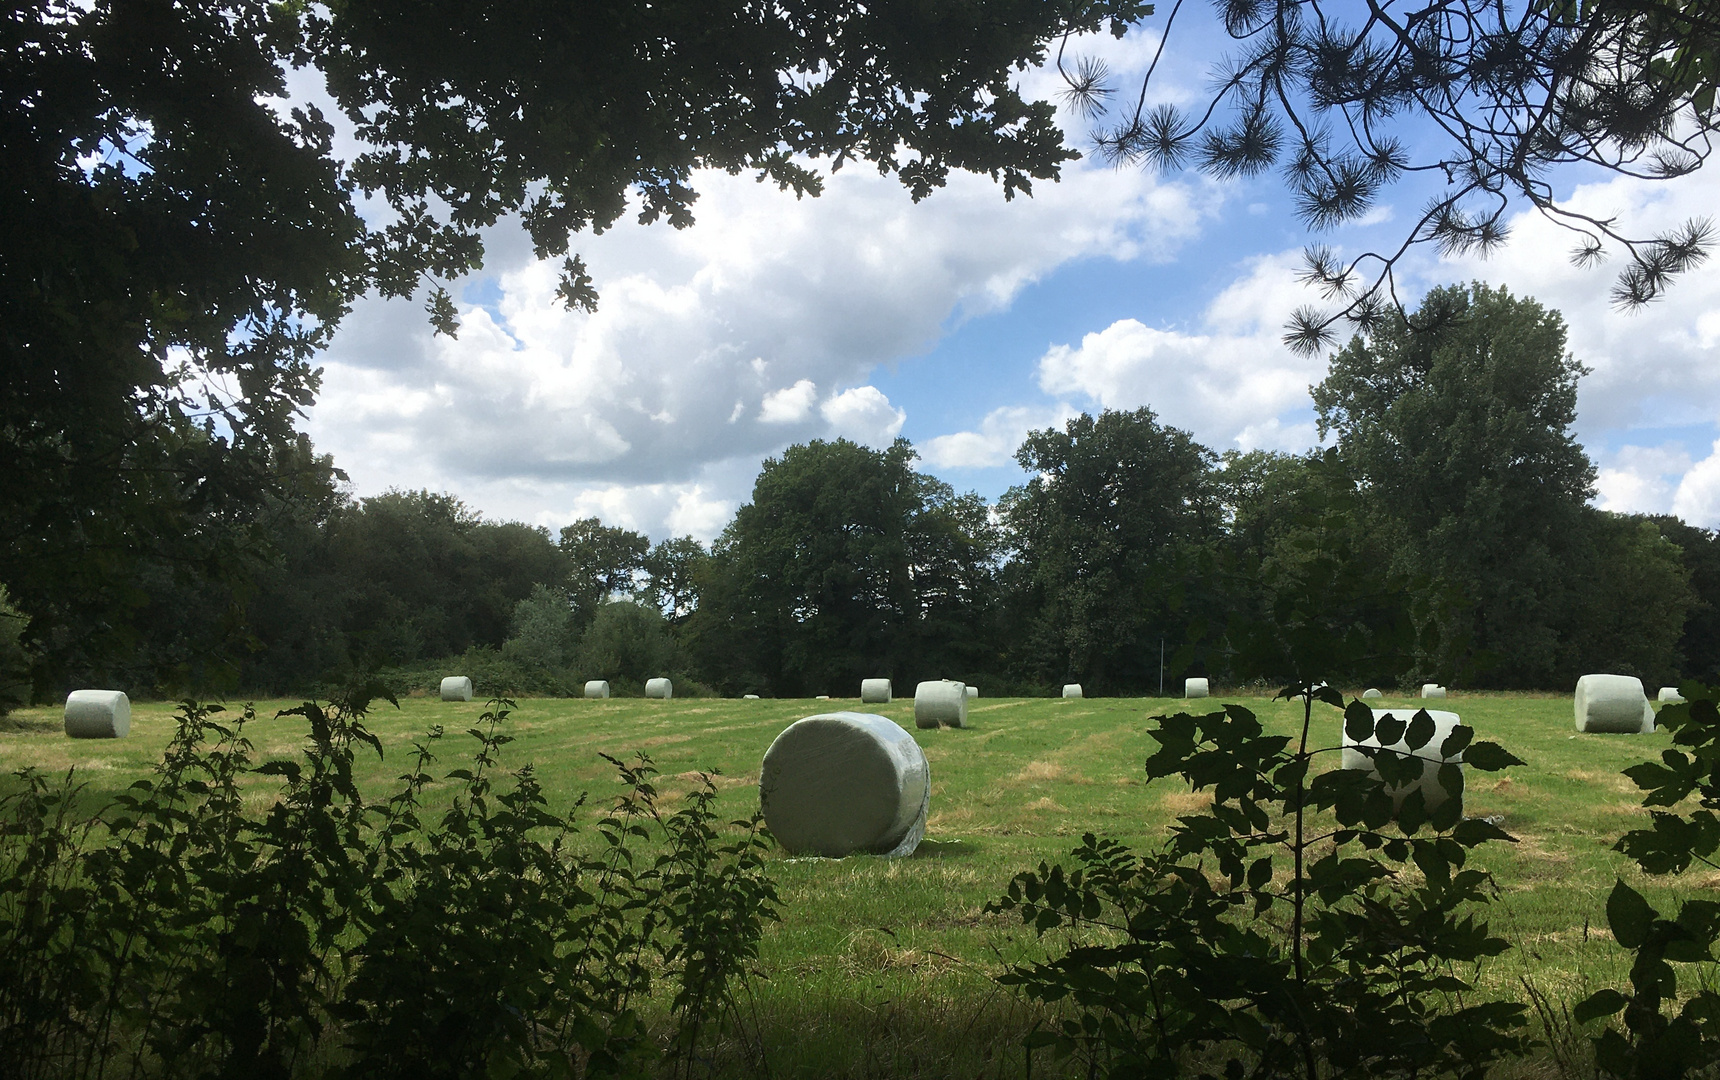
(1072, 690)
(1196, 688)
(1372, 694)
(845, 782)
(1432, 690)
(1613, 703)
(659, 688)
(972, 691)
(597, 688)
(98, 714)
(875, 691)
(457, 688)
(940, 701)
(1669, 695)
(1433, 793)
(749, 697)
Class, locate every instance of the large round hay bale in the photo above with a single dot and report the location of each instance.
(1612, 703)
(98, 714)
(1432, 690)
(749, 697)
(1372, 693)
(839, 783)
(940, 701)
(457, 688)
(875, 691)
(1072, 690)
(659, 688)
(1669, 695)
(597, 688)
(972, 691)
(1432, 792)
(1196, 688)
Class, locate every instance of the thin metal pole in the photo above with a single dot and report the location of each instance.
(1161, 667)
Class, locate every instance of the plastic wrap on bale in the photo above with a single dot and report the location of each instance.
(1613, 704)
(457, 688)
(843, 783)
(1433, 793)
(940, 702)
(98, 714)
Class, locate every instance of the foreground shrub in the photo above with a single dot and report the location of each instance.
(1279, 932)
(1666, 1032)
(181, 933)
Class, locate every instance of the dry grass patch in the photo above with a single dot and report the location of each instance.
(1177, 803)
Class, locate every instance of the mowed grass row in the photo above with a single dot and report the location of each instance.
(885, 965)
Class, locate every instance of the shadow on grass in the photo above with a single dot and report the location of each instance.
(944, 849)
(22, 726)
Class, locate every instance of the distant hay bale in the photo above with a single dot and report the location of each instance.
(1432, 690)
(839, 783)
(98, 714)
(659, 688)
(1433, 793)
(940, 701)
(821, 697)
(972, 692)
(1669, 695)
(1072, 690)
(597, 688)
(875, 691)
(1612, 703)
(1196, 688)
(457, 688)
(1372, 693)
(749, 697)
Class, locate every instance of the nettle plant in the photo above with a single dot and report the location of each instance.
(1305, 924)
(183, 933)
(1665, 1031)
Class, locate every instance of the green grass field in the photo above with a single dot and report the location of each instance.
(883, 967)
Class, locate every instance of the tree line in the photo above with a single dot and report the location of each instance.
(1444, 531)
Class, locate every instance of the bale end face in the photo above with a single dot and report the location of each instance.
(98, 714)
(1196, 688)
(1612, 704)
(940, 701)
(1371, 694)
(876, 691)
(840, 783)
(457, 688)
(1433, 793)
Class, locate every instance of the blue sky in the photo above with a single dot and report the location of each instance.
(961, 323)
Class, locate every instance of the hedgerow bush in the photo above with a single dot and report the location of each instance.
(189, 931)
(1302, 925)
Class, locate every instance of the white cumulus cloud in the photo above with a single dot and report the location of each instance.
(710, 343)
(790, 405)
(863, 415)
(998, 437)
(1227, 380)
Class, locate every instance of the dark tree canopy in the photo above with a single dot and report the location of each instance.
(1104, 531)
(847, 564)
(176, 245)
(1459, 435)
